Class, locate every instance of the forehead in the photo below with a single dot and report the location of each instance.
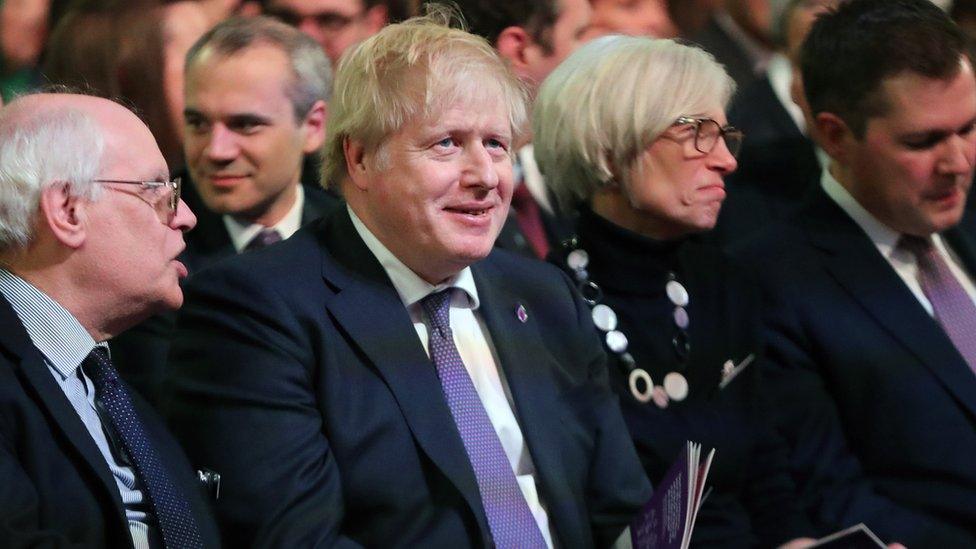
(130, 149)
(311, 7)
(917, 103)
(257, 74)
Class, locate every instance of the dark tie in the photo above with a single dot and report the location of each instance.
(171, 509)
(954, 308)
(509, 518)
(529, 218)
(263, 239)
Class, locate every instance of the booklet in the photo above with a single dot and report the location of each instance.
(666, 522)
(855, 537)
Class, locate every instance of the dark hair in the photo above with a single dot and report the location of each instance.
(852, 49)
(488, 18)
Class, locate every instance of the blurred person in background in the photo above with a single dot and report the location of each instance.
(739, 36)
(133, 51)
(633, 17)
(634, 130)
(779, 162)
(338, 24)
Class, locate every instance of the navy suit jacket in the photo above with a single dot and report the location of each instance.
(878, 405)
(298, 376)
(55, 488)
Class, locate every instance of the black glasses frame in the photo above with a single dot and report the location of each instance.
(732, 136)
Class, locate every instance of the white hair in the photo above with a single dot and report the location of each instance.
(40, 148)
(610, 100)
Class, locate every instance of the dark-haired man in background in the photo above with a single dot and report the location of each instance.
(871, 318)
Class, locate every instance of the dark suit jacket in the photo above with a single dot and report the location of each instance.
(777, 167)
(300, 378)
(140, 353)
(55, 488)
(728, 52)
(878, 405)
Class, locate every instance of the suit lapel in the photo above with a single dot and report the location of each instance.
(522, 357)
(49, 396)
(856, 264)
(385, 334)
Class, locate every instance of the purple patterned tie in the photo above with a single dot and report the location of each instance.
(263, 239)
(171, 508)
(509, 517)
(954, 308)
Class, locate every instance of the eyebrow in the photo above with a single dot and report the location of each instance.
(940, 132)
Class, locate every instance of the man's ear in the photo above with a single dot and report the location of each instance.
(355, 154)
(64, 214)
(512, 44)
(314, 127)
(834, 134)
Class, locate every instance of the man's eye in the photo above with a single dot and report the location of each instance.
(445, 143)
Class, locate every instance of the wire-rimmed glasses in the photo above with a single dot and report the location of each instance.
(165, 206)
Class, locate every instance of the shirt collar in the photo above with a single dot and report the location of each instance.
(241, 234)
(55, 332)
(883, 236)
(780, 74)
(410, 287)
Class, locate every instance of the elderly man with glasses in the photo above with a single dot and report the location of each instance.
(89, 236)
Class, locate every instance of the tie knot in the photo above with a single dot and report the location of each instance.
(99, 368)
(438, 308)
(263, 239)
(918, 246)
(521, 196)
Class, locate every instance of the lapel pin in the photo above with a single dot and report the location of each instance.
(521, 314)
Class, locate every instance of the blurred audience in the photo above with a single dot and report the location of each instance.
(339, 24)
(633, 17)
(133, 51)
(739, 36)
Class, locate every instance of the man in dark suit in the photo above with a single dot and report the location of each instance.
(871, 315)
(383, 378)
(254, 108)
(88, 244)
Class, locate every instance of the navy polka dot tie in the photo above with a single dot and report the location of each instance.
(509, 518)
(263, 239)
(171, 509)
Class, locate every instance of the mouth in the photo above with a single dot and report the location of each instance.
(225, 180)
(181, 271)
(474, 211)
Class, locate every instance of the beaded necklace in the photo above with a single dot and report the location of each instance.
(642, 387)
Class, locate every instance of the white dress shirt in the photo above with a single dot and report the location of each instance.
(474, 345)
(241, 234)
(886, 240)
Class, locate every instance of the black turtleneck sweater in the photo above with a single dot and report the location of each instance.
(753, 502)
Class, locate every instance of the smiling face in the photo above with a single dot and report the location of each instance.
(436, 193)
(914, 166)
(674, 189)
(244, 147)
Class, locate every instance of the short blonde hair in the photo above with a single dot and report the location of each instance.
(411, 70)
(608, 101)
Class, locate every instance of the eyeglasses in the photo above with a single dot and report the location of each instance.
(326, 21)
(167, 195)
(707, 132)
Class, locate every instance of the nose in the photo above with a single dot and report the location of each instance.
(184, 220)
(222, 144)
(958, 155)
(721, 160)
(480, 168)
